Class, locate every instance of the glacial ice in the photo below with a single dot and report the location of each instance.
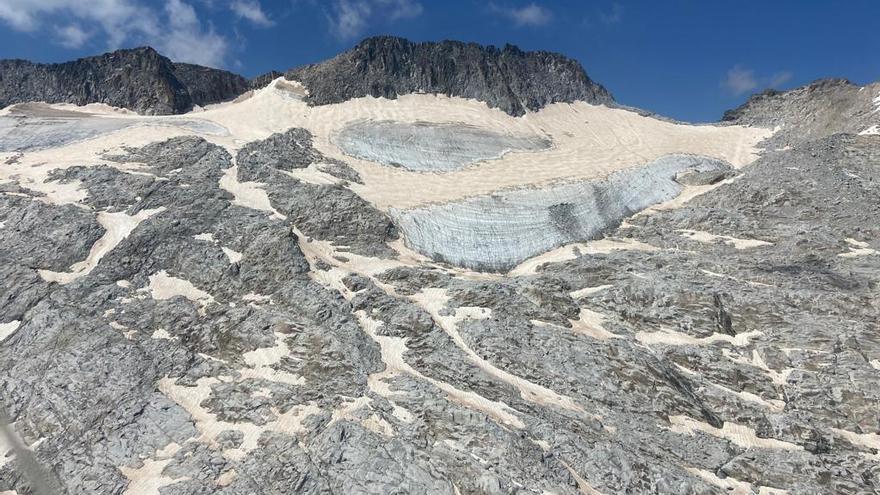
(430, 147)
(496, 232)
(36, 128)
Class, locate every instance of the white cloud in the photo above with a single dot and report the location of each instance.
(350, 18)
(252, 11)
(528, 15)
(175, 30)
(71, 36)
(187, 41)
(741, 80)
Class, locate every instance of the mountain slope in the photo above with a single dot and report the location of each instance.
(507, 78)
(138, 79)
(277, 296)
(816, 110)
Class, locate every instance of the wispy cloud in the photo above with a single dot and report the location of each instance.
(780, 78)
(740, 80)
(71, 36)
(252, 11)
(612, 16)
(174, 29)
(350, 18)
(401, 9)
(527, 15)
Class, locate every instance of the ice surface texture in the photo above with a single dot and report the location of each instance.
(430, 147)
(496, 232)
(30, 134)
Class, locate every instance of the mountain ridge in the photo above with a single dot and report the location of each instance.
(507, 78)
(139, 79)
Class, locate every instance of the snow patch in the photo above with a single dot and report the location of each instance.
(234, 256)
(117, 227)
(435, 300)
(739, 435)
(733, 486)
(207, 237)
(708, 238)
(148, 479)
(247, 194)
(668, 336)
(163, 286)
(857, 248)
(191, 398)
(392, 350)
(572, 251)
(8, 328)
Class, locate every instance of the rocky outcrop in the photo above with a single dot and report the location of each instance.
(507, 78)
(138, 79)
(813, 111)
(207, 85)
(264, 79)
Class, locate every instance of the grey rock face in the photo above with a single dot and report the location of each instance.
(325, 212)
(207, 85)
(498, 231)
(508, 78)
(263, 80)
(138, 79)
(427, 147)
(814, 111)
(280, 151)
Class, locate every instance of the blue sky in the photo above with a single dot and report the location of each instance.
(687, 59)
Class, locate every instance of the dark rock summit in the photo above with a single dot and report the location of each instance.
(142, 80)
(139, 79)
(207, 85)
(506, 78)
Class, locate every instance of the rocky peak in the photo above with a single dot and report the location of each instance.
(508, 78)
(813, 111)
(139, 79)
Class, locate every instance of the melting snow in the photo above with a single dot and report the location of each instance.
(117, 227)
(7, 329)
